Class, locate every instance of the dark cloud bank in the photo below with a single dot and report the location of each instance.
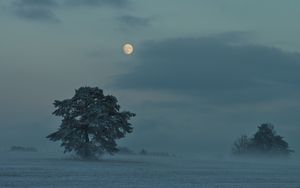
(226, 88)
(220, 68)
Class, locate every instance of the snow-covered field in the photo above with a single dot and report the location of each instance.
(138, 171)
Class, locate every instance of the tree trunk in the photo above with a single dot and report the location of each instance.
(87, 140)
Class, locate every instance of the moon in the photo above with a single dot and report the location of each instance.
(128, 48)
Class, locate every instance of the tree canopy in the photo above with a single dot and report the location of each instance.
(91, 123)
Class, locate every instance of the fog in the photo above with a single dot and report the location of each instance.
(202, 74)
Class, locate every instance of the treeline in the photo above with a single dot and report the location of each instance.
(23, 149)
(127, 151)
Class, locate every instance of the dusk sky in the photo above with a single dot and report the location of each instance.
(203, 71)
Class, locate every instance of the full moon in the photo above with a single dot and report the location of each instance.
(128, 49)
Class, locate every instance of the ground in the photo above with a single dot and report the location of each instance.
(45, 171)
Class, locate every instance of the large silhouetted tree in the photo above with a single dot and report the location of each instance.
(91, 123)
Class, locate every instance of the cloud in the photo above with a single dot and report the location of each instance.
(44, 3)
(37, 10)
(221, 68)
(128, 22)
(215, 88)
(38, 14)
(44, 10)
(113, 3)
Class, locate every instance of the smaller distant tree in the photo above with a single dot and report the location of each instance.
(241, 145)
(264, 142)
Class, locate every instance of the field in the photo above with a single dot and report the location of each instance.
(30, 171)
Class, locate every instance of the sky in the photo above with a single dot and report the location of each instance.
(203, 72)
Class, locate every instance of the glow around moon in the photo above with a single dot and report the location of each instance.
(128, 48)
